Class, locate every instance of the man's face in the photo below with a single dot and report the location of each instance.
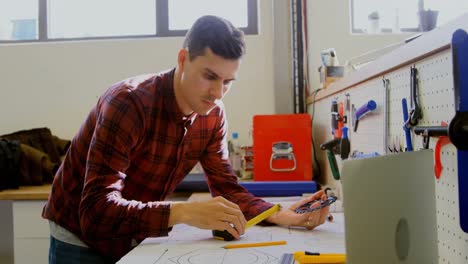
(204, 81)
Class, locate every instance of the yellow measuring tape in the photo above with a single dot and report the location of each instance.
(225, 235)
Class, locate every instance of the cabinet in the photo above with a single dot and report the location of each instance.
(26, 233)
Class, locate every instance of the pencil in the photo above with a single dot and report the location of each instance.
(258, 244)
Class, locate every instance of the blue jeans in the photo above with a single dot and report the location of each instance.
(61, 252)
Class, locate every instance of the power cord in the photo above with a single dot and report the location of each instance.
(316, 169)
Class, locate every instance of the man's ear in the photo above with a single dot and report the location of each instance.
(181, 57)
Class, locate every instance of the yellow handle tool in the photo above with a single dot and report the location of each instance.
(225, 235)
(328, 258)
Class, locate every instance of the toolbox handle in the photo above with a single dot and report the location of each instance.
(282, 150)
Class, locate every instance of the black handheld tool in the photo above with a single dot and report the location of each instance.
(415, 112)
(430, 131)
(329, 147)
(345, 145)
(307, 207)
(335, 117)
(223, 235)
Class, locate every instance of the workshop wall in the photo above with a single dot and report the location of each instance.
(436, 92)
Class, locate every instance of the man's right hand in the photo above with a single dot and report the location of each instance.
(215, 214)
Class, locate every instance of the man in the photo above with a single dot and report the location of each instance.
(141, 139)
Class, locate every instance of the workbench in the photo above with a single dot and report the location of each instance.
(187, 244)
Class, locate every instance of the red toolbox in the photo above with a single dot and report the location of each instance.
(282, 146)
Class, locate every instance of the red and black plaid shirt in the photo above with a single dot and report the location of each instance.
(129, 155)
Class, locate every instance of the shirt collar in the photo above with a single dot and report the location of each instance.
(170, 102)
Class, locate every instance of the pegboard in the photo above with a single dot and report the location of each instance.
(436, 92)
(368, 136)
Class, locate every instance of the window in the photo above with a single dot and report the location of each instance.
(91, 18)
(401, 15)
(182, 13)
(18, 20)
(176, 16)
(49, 20)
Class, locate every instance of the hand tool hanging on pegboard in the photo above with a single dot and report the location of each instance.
(458, 128)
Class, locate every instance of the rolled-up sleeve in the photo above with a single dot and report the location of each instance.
(104, 213)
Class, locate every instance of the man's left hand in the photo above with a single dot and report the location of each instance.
(308, 220)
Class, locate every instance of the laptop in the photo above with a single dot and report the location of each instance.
(390, 209)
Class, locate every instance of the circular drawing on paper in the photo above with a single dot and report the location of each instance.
(223, 256)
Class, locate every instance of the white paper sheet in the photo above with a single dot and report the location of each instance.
(186, 244)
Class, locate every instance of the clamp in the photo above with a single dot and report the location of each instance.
(430, 131)
(458, 128)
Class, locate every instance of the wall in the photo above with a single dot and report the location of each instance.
(382, 130)
(329, 26)
(56, 84)
(282, 57)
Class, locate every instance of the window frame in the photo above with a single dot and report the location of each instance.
(162, 25)
(355, 30)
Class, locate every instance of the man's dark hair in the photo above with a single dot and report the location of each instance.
(216, 33)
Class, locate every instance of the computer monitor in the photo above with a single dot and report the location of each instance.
(390, 209)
